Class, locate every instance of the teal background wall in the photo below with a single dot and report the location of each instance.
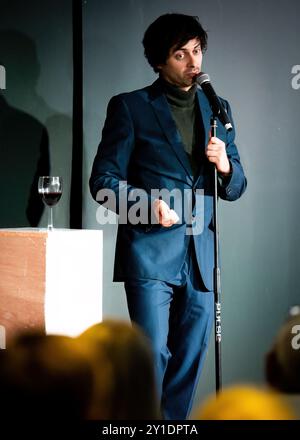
(252, 49)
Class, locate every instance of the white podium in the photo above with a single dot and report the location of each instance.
(50, 280)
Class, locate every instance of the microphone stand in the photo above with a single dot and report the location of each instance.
(217, 110)
(217, 279)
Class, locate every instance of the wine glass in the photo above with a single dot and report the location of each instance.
(50, 188)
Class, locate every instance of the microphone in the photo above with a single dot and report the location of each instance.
(217, 107)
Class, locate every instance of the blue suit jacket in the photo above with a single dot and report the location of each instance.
(142, 146)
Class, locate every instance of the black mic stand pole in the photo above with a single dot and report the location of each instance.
(217, 279)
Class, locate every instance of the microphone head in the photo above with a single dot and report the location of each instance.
(202, 78)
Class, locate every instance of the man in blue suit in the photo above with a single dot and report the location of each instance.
(157, 153)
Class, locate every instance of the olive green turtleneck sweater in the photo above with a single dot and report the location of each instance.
(184, 109)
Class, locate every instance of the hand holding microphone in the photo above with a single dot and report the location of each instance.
(216, 153)
(216, 149)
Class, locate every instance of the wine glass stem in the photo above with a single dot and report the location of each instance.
(50, 219)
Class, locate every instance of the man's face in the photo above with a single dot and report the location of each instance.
(183, 65)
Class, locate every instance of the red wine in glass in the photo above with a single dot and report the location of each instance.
(51, 198)
(50, 188)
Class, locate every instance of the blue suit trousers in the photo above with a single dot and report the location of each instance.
(177, 316)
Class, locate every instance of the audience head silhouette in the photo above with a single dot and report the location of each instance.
(45, 377)
(245, 402)
(283, 360)
(124, 384)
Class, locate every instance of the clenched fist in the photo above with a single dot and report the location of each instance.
(165, 216)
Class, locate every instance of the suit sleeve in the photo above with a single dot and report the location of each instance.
(233, 186)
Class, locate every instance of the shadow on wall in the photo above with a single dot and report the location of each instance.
(24, 156)
(35, 139)
(23, 142)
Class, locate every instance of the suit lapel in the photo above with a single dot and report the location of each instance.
(163, 113)
(206, 114)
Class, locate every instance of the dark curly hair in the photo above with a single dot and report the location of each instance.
(171, 31)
